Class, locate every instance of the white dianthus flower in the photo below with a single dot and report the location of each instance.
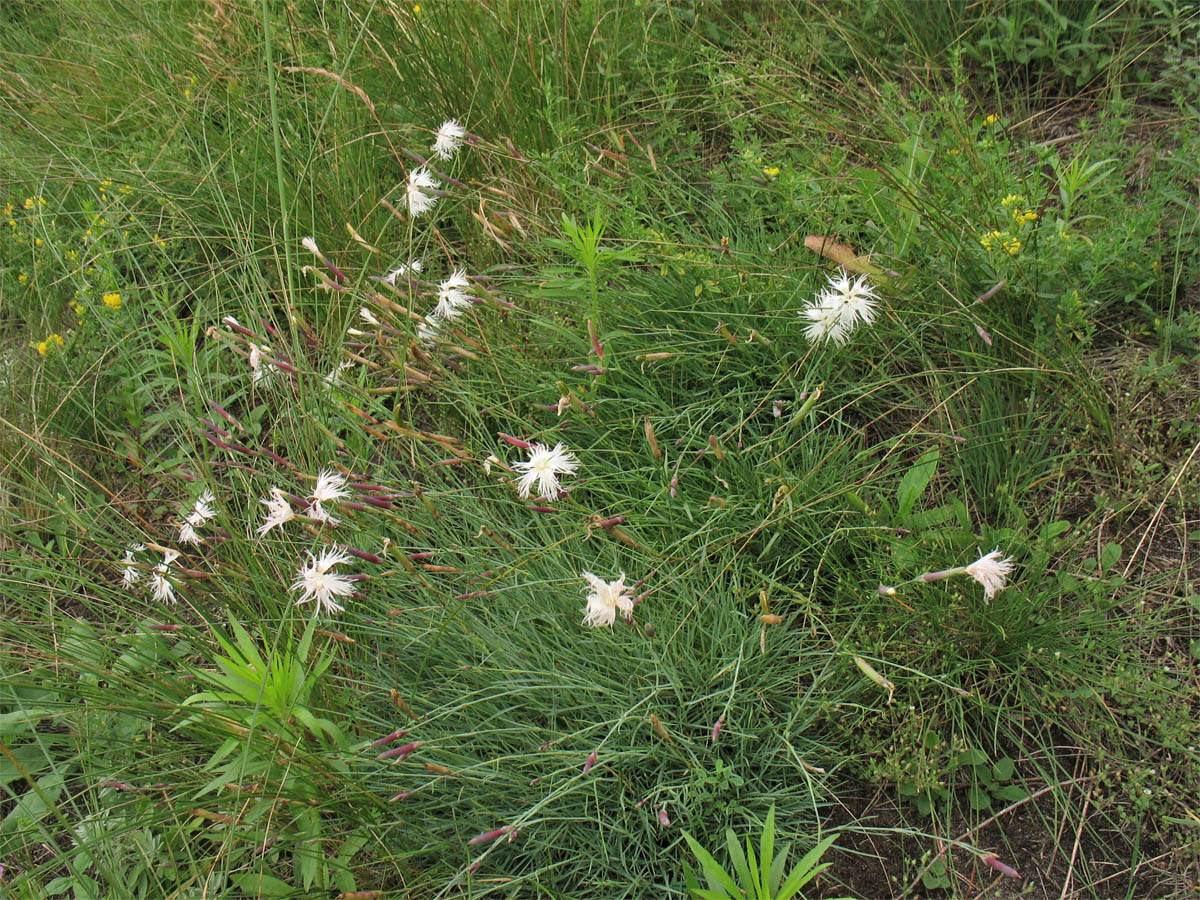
(330, 486)
(132, 574)
(838, 309)
(201, 512)
(452, 296)
(856, 302)
(824, 323)
(278, 512)
(420, 181)
(164, 591)
(449, 139)
(604, 600)
(990, 571)
(544, 466)
(316, 581)
(427, 331)
(403, 270)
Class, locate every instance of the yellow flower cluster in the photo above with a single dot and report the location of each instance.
(112, 300)
(991, 119)
(1000, 240)
(771, 171)
(51, 341)
(1024, 217)
(1013, 200)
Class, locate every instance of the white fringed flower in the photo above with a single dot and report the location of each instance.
(452, 296)
(449, 139)
(990, 571)
(402, 270)
(201, 512)
(420, 181)
(604, 600)
(838, 309)
(164, 591)
(544, 466)
(334, 375)
(259, 369)
(824, 324)
(368, 317)
(318, 513)
(330, 486)
(311, 246)
(279, 511)
(131, 574)
(856, 302)
(316, 581)
(427, 331)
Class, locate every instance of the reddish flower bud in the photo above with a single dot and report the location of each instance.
(387, 739)
(489, 836)
(515, 441)
(1002, 868)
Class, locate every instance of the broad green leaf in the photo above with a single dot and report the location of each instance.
(1004, 768)
(978, 798)
(766, 853)
(914, 482)
(259, 884)
(711, 867)
(1109, 555)
(740, 866)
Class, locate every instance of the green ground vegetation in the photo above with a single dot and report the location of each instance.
(648, 198)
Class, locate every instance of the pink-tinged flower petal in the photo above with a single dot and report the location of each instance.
(489, 836)
(663, 818)
(591, 761)
(403, 795)
(1002, 868)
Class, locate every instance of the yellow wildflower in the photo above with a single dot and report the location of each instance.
(51, 341)
(37, 242)
(159, 241)
(1023, 218)
(1012, 200)
(12, 223)
(991, 120)
(417, 8)
(79, 308)
(112, 300)
(954, 151)
(29, 203)
(72, 254)
(125, 189)
(22, 278)
(8, 210)
(989, 240)
(771, 171)
(107, 182)
(1010, 246)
